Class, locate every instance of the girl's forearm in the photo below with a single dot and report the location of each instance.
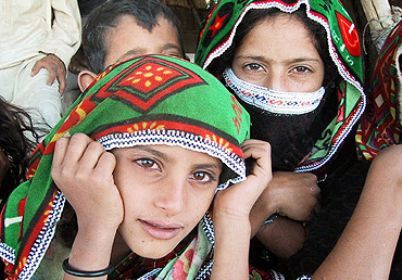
(232, 244)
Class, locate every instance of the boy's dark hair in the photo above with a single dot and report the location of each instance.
(107, 15)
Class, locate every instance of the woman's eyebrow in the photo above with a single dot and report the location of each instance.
(290, 60)
(303, 59)
(254, 57)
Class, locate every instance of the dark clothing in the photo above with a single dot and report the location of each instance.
(86, 6)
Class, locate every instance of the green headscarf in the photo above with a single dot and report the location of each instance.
(217, 37)
(144, 101)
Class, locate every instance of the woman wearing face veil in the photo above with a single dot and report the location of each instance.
(297, 68)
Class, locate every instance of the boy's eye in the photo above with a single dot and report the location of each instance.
(147, 163)
(175, 54)
(202, 177)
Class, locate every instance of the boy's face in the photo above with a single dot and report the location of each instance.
(128, 40)
(166, 190)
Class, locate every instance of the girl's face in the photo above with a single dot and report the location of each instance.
(279, 53)
(166, 190)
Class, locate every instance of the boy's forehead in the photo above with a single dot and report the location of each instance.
(130, 36)
(129, 23)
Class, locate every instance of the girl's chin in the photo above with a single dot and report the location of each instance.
(155, 252)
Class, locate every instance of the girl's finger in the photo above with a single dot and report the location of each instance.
(60, 150)
(90, 157)
(76, 148)
(106, 164)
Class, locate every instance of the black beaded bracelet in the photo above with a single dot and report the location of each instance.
(271, 219)
(87, 274)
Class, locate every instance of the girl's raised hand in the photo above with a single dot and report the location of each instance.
(237, 200)
(83, 171)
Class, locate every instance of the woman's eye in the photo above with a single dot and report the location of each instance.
(147, 163)
(202, 177)
(253, 67)
(301, 69)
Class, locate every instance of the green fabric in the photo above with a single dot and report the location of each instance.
(147, 100)
(216, 38)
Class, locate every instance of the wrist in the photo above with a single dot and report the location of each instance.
(92, 249)
(227, 217)
(97, 224)
(228, 225)
(96, 235)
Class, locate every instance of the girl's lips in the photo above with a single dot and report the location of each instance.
(160, 230)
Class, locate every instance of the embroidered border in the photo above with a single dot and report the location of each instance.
(208, 227)
(150, 274)
(205, 271)
(7, 253)
(286, 103)
(45, 236)
(181, 139)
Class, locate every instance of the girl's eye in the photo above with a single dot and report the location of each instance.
(202, 177)
(147, 163)
(253, 67)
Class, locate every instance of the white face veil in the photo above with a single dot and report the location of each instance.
(277, 102)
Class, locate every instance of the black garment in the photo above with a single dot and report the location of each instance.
(86, 6)
(340, 193)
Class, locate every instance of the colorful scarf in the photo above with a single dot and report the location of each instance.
(218, 32)
(144, 101)
(381, 124)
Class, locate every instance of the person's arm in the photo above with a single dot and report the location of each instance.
(83, 171)
(65, 34)
(283, 238)
(366, 247)
(231, 212)
(62, 43)
(289, 194)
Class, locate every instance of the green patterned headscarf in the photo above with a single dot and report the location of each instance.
(144, 101)
(217, 37)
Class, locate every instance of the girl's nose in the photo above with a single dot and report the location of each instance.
(171, 196)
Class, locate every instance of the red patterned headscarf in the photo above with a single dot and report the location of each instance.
(381, 124)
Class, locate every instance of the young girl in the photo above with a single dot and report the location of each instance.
(140, 158)
(296, 66)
